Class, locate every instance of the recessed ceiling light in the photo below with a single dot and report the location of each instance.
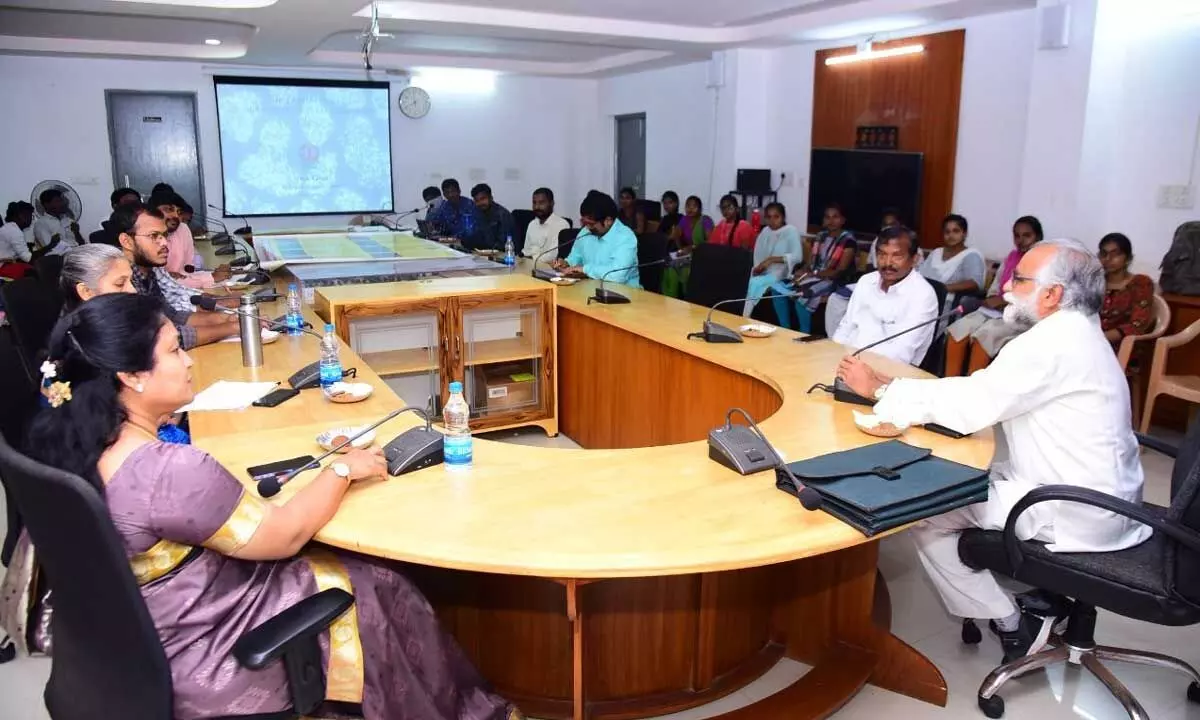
(212, 41)
(227, 4)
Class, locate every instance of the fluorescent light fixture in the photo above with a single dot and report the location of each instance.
(458, 81)
(875, 54)
(224, 4)
(212, 41)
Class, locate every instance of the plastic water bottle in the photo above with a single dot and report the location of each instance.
(331, 366)
(510, 253)
(294, 320)
(456, 416)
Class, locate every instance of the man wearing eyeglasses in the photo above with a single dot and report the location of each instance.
(142, 233)
(1062, 401)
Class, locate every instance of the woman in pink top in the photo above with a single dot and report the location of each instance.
(732, 230)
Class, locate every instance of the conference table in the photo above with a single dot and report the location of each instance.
(636, 576)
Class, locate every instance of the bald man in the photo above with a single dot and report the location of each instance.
(1062, 401)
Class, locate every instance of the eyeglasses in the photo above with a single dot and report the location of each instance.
(155, 236)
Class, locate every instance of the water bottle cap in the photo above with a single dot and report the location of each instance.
(328, 327)
(455, 387)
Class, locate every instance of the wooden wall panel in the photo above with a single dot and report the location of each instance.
(917, 93)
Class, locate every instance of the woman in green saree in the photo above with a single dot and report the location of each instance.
(694, 228)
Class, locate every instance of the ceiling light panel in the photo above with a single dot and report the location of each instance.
(225, 4)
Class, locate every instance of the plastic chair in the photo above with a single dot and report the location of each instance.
(1162, 319)
(1184, 387)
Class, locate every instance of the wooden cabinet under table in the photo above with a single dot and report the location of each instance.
(495, 334)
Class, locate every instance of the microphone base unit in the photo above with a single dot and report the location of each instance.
(544, 274)
(717, 333)
(738, 448)
(604, 296)
(414, 449)
(225, 250)
(843, 393)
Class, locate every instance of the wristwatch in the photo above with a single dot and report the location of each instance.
(342, 470)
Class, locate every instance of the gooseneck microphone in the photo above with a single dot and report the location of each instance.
(746, 450)
(543, 273)
(605, 296)
(244, 230)
(842, 392)
(208, 302)
(716, 333)
(270, 486)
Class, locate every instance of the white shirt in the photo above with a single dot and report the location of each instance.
(1062, 402)
(47, 226)
(12, 243)
(873, 314)
(542, 236)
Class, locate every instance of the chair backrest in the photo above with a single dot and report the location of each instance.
(1185, 509)
(934, 361)
(521, 220)
(107, 660)
(651, 247)
(566, 241)
(20, 401)
(719, 272)
(651, 209)
(49, 268)
(1162, 318)
(32, 309)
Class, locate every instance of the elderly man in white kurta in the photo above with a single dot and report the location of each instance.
(1062, 403)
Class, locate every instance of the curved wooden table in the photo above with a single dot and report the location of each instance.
(636, 577)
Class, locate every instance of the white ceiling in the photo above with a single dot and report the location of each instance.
(581, 38)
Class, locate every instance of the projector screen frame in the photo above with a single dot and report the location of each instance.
(302, 82)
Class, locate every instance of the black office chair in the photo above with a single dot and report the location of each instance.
(719, 272)
(108, 661)
(32, 308)
(1157, 581)
(651, 209)
(49, 268)
(566, 241)
(20, 402)
(651, 247)
(521, 220)
(934, 361)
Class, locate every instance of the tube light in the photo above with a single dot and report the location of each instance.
(875, 54)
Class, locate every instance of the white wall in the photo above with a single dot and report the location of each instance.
(55, 126)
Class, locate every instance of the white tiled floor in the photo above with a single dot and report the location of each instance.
(918, 619)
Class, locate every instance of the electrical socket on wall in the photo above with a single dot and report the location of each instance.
(785, 179)
(1175, 197)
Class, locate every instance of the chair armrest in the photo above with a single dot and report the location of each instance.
(1155, 444)
(1087, 496)
(302, 621)
(1182, 337)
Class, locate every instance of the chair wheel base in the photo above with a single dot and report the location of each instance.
(993, 707)
(970, 633)
(1193, 692)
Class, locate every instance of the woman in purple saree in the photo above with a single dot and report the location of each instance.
(213, 560)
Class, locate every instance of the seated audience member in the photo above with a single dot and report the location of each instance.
(975, 339)
(15, 257)
(542, 234)
(432, 197)
(181, 247)
(456, 217)
(1061, 399)
(889, 300)
(213, 559)
(606, 249)
(187, 214)
(57, 231)
(1128, 298)
(142, 232)
(830, 266)
(496, 221)
(669, 223)
(693, 230)
(777, 250)
(119, 197)
(633, 218)
(732, 230)
(890, 219)
(961, 269)
(91, 270)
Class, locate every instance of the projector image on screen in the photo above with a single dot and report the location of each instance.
(304, 147)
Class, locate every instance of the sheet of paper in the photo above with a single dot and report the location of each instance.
(228, 395)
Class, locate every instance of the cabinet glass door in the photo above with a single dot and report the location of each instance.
(404, 351)
(504, 346)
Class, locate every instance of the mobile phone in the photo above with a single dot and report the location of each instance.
(811, 338)
(276, 397)
(283, 467)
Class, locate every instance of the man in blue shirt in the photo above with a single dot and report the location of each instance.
(606, 249)
(496, 221)
(456, 217)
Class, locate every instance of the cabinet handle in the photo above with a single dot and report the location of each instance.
(457, 348)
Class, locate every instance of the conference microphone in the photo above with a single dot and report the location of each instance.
(739, 448)
(610, 297)
(220, 238)
(842, 392)
(244, 230)
(270, 486)
(717, 333)
(544, 273)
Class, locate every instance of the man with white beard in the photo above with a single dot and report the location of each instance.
(1062, 403)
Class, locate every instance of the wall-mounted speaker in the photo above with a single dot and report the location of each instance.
(1054, 26)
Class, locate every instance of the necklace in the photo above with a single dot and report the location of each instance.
(144, 431)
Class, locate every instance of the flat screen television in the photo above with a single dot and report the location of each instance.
(864, 183)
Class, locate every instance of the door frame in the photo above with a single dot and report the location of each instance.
(202, 208)
(616, 158)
